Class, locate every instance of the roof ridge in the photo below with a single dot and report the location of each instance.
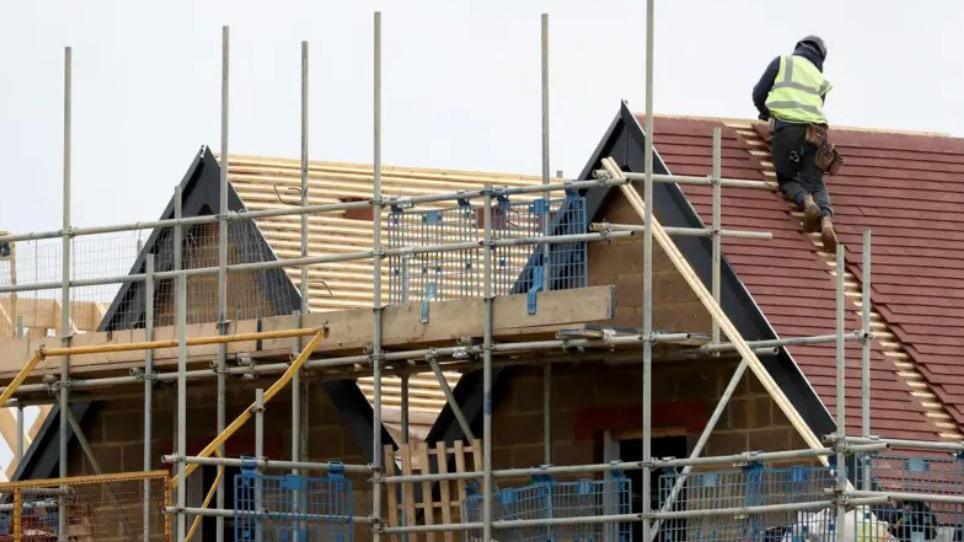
(936, 411)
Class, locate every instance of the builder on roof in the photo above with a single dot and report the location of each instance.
(791, 94)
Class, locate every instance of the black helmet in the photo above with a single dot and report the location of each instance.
(816, 42)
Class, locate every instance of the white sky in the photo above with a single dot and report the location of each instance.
(461, 82)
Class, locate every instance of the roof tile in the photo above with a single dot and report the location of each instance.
(909, 189)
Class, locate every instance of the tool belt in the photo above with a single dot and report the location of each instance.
(827, 159)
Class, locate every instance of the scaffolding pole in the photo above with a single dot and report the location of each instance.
(223, 257)
(377, 281)
(396, 201)
(865, 308)
(313, 260)
(180, 308)
(487, 372)
(547, 414)
(148, 388)
(259, 455)
(717, 225)
(299, 394)
(265, 463)
(938, 446)
(456, 355)
(547, 280)
(700, 181)
(647, 369)
(841, 406)
(544, 42)
(403, 378)
(65, 331)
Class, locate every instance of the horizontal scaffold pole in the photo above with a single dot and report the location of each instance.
(195, 341)
(682, 232)
(397, 202)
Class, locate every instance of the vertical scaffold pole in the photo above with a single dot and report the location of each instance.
(148, 387)
(545, 145)
(841, 387)
(865, 308)
(303, 287)
(487, 370)
(648, 278)
(65, 332)
(223, 226)
(547, 279)
(717, 223)
(403, 518)
(296, 385)
(547, 413)
(377, 286)
(180, 308)
(259, 455)
(404, 408)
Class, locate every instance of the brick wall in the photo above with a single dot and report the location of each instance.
(114, 429)
(588, 399)
(619, 262)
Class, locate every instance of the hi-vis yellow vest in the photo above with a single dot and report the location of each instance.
(797, 93)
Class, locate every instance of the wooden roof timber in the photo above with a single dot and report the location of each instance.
(274, 183)
(388, 171)
(349, 331)
(45, 314)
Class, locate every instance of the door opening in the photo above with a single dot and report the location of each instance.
(632, 450)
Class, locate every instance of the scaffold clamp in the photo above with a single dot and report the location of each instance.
(249, 466)
(538, 278)
(431, 291)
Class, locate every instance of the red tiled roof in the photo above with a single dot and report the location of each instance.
(909, 189)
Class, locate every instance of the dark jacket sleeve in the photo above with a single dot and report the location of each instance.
(763, 86)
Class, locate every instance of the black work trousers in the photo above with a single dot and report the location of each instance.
(795, 162)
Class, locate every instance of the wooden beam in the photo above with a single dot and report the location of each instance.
(350, 330)
(8, 429)
(45, 313)
(463, 318)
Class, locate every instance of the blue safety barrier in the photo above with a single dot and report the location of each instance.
(292, 508)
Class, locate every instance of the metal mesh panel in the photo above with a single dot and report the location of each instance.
(251, 293)
(518, 268)
(753, 485)
(547, 498)
(99, 508)
(435, 275)
(32, 262)
(924, 474)
(291, 507)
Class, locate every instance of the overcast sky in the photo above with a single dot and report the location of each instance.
(461, 82)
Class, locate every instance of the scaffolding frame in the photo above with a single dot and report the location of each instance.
(837, 445)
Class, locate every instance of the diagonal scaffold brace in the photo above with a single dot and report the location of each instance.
(247, 414)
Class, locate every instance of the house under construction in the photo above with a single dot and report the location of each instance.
(301, 350)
